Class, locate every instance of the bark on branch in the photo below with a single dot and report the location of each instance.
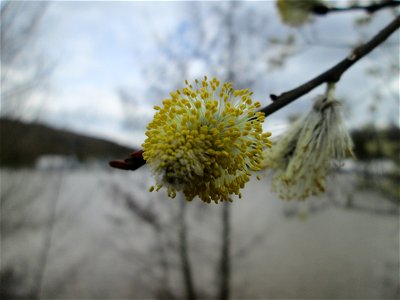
(333, 74)
(323, 9)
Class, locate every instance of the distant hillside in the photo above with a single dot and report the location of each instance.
(22, 143)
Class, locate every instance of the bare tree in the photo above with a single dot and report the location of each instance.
(25, 69)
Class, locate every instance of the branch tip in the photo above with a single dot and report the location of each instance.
(273, 97)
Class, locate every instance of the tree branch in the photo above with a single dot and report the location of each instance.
(323, 9)
(333, 74)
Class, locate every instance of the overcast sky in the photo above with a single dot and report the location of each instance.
(101, 47)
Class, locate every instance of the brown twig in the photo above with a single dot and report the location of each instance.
(333, 74)
(133, 162)
(323, 9)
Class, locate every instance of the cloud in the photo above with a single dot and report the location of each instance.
(103, 46)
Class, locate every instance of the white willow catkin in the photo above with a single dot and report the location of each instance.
(302, 157)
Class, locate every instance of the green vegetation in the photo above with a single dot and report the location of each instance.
(372, 143)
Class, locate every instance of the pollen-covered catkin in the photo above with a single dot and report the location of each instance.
(205, 140)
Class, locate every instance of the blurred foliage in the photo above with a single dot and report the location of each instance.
(373, 143)
(363, 20)
(286, 49)
(22, 143)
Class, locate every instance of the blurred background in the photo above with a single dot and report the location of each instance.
(78, 84)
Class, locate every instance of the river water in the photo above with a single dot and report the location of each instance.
(95, 233)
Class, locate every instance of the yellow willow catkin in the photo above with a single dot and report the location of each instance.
(205, 140)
